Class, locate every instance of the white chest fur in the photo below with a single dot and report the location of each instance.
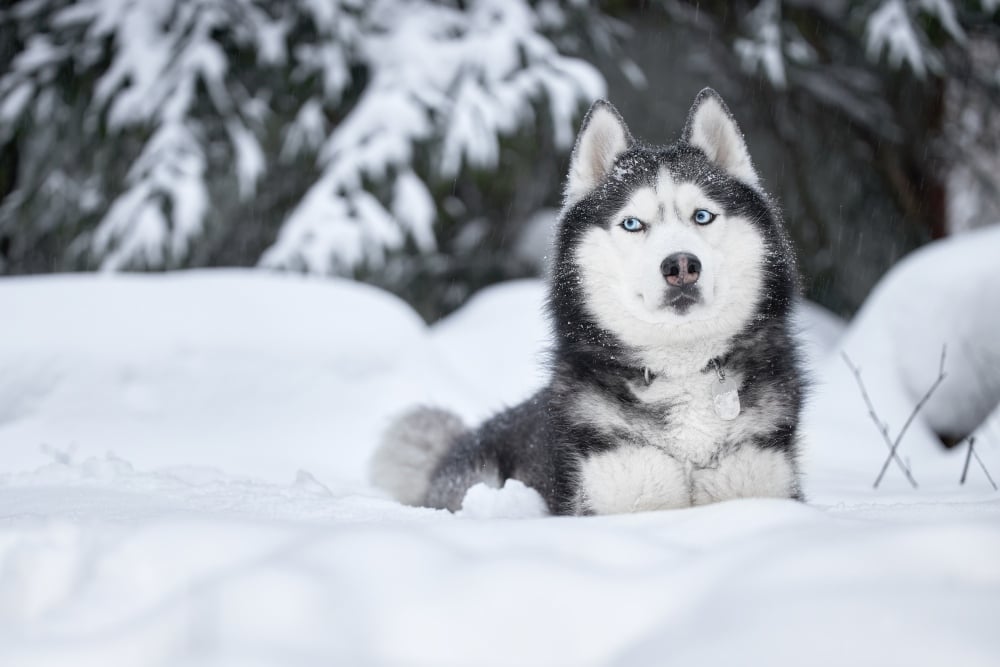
(675, 415)
(657, 446)
(682, 419)
(669, 454)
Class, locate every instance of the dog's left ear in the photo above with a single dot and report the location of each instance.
(603, 137)
(712, 128)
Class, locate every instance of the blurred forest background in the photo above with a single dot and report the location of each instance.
(421, 145)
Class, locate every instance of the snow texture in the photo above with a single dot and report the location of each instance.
(182, 482)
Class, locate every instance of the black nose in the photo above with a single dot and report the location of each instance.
(681, 268)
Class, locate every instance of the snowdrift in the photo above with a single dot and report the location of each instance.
(183, 481)
(896, 341)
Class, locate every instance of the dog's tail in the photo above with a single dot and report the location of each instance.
(411, 449)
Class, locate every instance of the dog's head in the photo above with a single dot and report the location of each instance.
(668, 243)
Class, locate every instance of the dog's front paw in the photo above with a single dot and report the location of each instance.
(631, 479)
(748, 472)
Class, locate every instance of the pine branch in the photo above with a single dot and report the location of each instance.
(909, 420)
(882, 427)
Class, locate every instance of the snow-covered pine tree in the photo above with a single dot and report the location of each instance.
(311, 134)
(915, 76)
(874, 119)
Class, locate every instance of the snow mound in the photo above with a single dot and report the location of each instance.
(254, 373)
(497, 342)
(920, 318)
(818, 331)
(896, 341)
(513, 501)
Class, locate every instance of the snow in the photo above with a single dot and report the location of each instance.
(513, 501)
(459, 78)
(183, 482)
(896, 340)
(763, 51)
(250, 160)
(469, 341)
(391, 100)
(254, 373)
(159, 61)
(889, 28)
(944, 12)
(414, 207)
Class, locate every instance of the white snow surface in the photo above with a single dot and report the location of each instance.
(183, 482)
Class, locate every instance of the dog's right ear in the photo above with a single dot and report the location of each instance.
(712, 128)
(603, 137)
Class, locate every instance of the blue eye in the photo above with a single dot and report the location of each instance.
(703, 217)
(632, 225)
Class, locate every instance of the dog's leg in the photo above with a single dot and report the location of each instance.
(747, 472)
(468, 463)
(631, 479)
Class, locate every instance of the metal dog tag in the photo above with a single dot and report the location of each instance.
(726, 399)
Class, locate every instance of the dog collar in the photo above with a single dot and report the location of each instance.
(725, 392)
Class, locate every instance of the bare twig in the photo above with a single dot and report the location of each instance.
(882, 427)
(985, 471)
(909, 420)
(968, 460)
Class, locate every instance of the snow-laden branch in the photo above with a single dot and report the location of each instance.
(161, 55)
(762, 49)
(894, 29)
(442, 77)
(385, 96)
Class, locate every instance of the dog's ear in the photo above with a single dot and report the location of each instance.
(712, 128)
(603, 137)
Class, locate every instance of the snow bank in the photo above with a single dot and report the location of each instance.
(182, 482)
(254, 373)
(497, 343)
(944, 295)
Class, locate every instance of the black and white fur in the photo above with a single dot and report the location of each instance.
(627, 421)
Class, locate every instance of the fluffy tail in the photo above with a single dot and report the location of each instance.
(410, 450)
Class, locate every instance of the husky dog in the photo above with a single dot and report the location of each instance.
(675, 378)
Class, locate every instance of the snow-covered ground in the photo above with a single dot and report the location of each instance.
(183, 482)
